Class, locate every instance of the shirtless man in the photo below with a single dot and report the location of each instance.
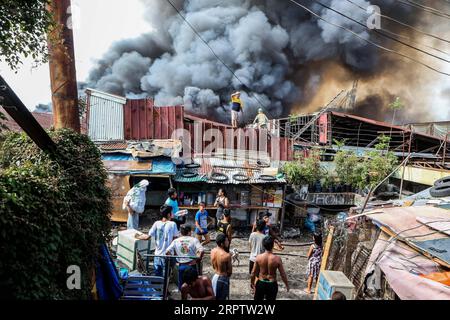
(195, 287)
(221, 262)
(266, 266)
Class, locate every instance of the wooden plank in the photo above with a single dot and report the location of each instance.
(326, 253)
(164, 122)
(150, 125)
(157, 123)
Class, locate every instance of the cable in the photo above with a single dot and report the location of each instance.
(425, 8)
(381, 33)
(369, 41)
(402, 23)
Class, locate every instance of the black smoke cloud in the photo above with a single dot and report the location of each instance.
(270, 45)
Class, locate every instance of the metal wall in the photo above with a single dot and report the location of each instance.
(105, 116)
(144, 121)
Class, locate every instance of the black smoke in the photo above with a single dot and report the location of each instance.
(272, 46)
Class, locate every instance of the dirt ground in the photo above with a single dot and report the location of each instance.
(240, 280)
(295, 266)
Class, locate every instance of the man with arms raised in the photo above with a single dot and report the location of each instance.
(195, 287)
(221, 262)
(266, 266)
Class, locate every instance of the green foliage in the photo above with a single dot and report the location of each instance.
(368, 171)
(396, 104)
(23, 31)
(53, 214)
(306, 170)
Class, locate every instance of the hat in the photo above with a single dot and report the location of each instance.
(144, 183)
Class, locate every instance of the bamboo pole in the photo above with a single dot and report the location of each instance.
(326, 253)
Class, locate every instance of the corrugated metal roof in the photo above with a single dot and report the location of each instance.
(105, 116)
(227, 167)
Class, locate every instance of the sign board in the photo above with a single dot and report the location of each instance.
(331, 199)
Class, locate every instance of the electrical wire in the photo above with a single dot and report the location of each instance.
(369, 41)
(402, 23)
(425, 8)
(380, 32)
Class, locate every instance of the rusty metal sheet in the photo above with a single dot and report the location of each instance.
(144, 121)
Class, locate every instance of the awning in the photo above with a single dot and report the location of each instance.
(128, 165)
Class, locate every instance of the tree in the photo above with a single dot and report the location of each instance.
(23, 31)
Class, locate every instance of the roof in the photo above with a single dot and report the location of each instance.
(128, 165)
(143, 149)
(45, 119)
(230, 172)
(407, 224)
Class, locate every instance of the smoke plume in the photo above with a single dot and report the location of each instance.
(284, 59)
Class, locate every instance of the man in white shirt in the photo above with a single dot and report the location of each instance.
(188, 249)
(163, 231)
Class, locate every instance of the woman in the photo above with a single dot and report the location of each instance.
(221, 204)
(314, 261)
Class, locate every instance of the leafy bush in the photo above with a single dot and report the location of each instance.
(54, 213)
(306, 170)
(362, 172)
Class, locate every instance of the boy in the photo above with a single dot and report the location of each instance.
(163, 231)
(221, 263)
(196, 287)
(172, 201)
(187, 248)
(255, 241)
(266, 266)
(201, 224)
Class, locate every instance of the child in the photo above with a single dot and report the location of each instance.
(201, 224)
(314, 261)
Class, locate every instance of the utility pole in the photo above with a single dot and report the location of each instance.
(62, 68)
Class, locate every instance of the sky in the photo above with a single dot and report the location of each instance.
(97, 24)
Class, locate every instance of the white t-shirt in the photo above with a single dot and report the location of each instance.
(257, 248)
(185, 246)
(163, 234)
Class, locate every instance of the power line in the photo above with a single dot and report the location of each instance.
(381, 33)
(402, 23)
(369, 41)
(425, 8)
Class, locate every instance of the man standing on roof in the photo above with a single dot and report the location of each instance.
(134, 203)
(236, 107)
(261, 120)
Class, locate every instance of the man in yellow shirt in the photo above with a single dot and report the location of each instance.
(236, 107)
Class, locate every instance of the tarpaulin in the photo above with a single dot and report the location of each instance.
(402, 267)
(128, 165)
(107, 280)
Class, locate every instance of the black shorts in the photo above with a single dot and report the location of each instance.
(266, 290)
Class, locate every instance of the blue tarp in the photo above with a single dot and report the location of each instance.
(107, 279)
(160, 165)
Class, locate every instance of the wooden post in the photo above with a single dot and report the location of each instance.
(404, 166)
(19, 112)
(283, 212)
(326, 253)
(62, 68)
